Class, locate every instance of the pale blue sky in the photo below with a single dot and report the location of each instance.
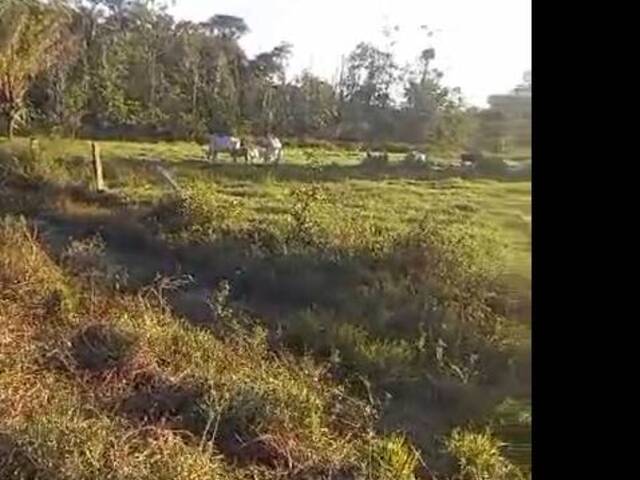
(482, 46)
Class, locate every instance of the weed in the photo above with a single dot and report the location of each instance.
(479, 456)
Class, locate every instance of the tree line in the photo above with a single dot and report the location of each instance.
(128, 68)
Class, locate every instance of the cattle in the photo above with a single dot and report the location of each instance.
(253, 153)
(224, 143)
(254, 150)
(415, 157)
(470, 159)
(272, 149)
(375, 159)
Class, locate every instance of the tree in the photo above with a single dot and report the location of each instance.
(185, 72)
(33, 35)
(314, 103)
(370, 74)
(433, 112)
(267, 82)
(227, 27)
(270, 66)
(135, 71)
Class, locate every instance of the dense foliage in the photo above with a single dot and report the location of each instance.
(128, 68)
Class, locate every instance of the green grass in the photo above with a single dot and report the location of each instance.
(176, 151)
(397, 204)
(388, 294)
(165, 400)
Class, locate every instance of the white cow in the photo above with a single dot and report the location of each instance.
(224, 143)
(470, 160)
(415, 157)
(273, 149)
(253, 153)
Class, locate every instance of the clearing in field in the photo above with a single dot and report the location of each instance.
(313, 320)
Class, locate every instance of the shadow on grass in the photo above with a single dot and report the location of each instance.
(99, 347)
(308, 173)
(278, 288)
(17, 462)
(183, 408)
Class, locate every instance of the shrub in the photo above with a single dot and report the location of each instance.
(353, 347)
(26, 271)
(42, 161)
(392, 458)
(491, 164)
(394, 147)
(479, 456)
(305, 209)
(451, 252)
(451, 268)
(202, 214)
(86, 258)
(311, 143)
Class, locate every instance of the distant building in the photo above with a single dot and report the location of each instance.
(507, 121)
(517, 103)
(522, 91)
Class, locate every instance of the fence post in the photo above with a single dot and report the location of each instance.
(34, 148)
(167, 176)
(97, 166)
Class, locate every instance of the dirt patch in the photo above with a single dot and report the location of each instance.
(99, 347)
(161, 402)
(193, 304)
(242, 450)
(325, 473)
(241, 434)
(16, 462)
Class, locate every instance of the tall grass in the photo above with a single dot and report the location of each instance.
(339, 305)
(167, 393)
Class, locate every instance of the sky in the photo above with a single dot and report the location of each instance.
(482, 46)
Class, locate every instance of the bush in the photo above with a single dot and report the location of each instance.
(453, 268)
(392, 458)
(312, 143)
(347, 145)
(479, 457)
(451, 250)
(491, 164)
(393, 147)
(202, 214)
(23, 263)
(43, 160)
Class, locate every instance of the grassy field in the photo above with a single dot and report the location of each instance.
(320, 319)
(179, 151)
(506, 205)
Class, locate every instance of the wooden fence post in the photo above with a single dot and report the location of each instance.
(97, 166)
(167, 176)
(34, 148)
